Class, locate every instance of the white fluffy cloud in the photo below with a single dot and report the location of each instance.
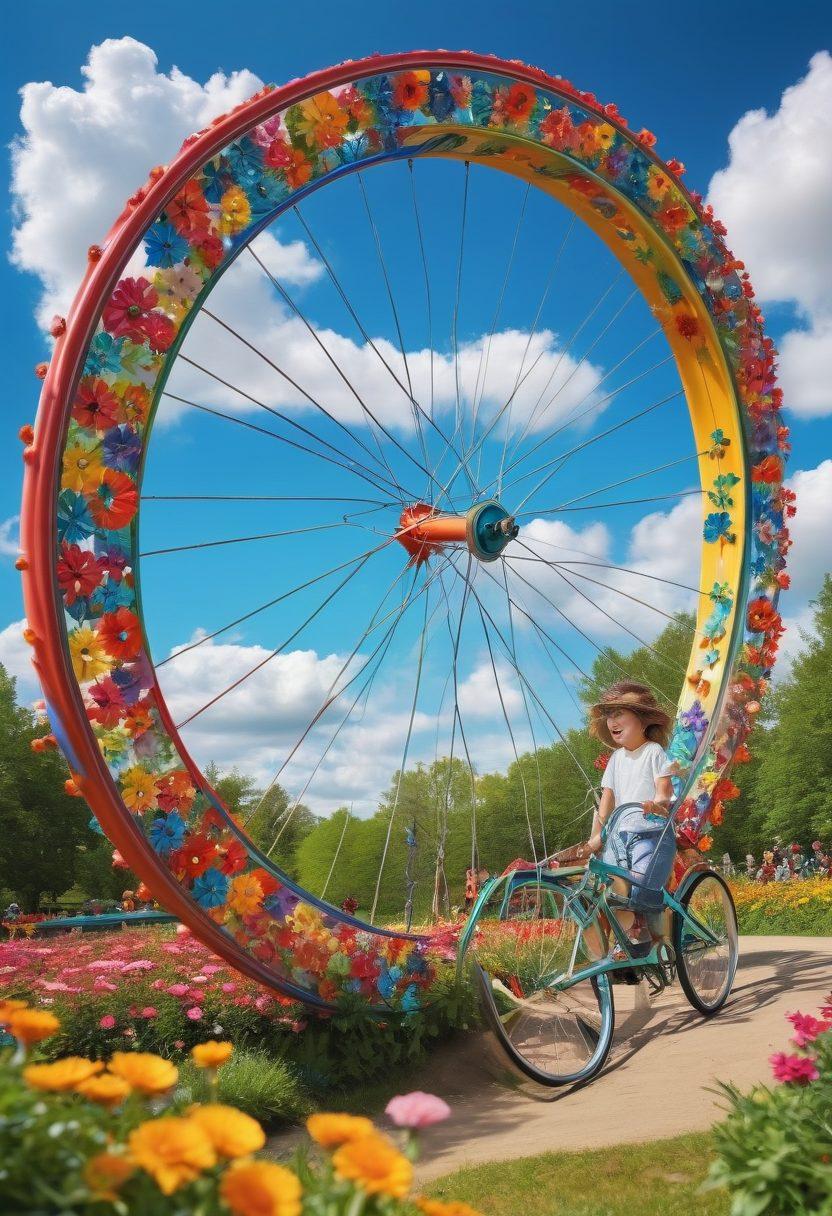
(83, 151)
(9, 542)
(773, 197)
(16, 657)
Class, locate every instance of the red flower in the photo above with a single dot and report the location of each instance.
(210, 249)
(646, 138)
(115, 500)
(109, 703)
(95, 407)
(601, 762)
(762, 617)
(672, 218)
(557, 129)
(79, 572)
(188, 210)
(410, 90)
(725, 790)
(195, 856)
(519, 102)
(159, 331)
(299, 171)
(278, 154)
(232, 856)
(130, 303)
(769, 470)
(687, 325)
(120, 633)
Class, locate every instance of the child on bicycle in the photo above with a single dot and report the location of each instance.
(628, 719)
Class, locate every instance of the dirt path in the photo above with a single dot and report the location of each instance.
(656, 1083)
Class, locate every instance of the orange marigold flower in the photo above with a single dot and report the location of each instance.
(245, 895)
(32, 1025)
(410, 90)
(211, 1054)
(232, 1133)
(188, 210)
(725, 790)
(435, 1207)
(138, 789)
(61, 1076)
(332, 1130)
(106, 1089)
(299, 169)
(148, 1073)
(173, 1151)
(105, 1173)
(115, 500)
(323, 121)
(261, 1188)
(374, 1165)
(705, 843)
(235, 211)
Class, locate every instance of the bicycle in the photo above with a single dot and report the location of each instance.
(546, 963)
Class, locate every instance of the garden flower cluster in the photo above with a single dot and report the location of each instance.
(189, 243)
(85, 1136)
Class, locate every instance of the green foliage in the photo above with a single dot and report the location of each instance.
(773, 1150)
(265, 1087)
(661, 666)
(793, 787)
(42, 827)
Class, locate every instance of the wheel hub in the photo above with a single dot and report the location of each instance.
(486, 528)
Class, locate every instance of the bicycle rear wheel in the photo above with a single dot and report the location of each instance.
(554, 1034)
(706, 970)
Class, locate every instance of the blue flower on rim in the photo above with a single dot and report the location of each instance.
(245, 159)
(74, 520)
(281, 903)
(164, 246)
(112, 596)
(104, 355)
(210, 889)
(717, 524)
(215, 180)
(167, 833)
(122, 448)
(129, 681)
(410, 999)
(95, 826)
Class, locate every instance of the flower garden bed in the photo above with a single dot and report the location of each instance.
(801, 907)
(156, 989)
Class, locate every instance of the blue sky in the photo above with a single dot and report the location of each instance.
(689, 77)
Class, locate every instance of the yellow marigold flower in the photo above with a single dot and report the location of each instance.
(138, 789)
(235, 211)
(435, 1207)
(89, 658)
(231, 1131)
(375, 1165)
(323, 122)
(62, 1075)
(173, 1151)
(245, 894)
(32, 1025)
(260, 1188)
(332, 1130)
(147, 1073)
(10, 1006)
(211, 1054)
(108, 1089)
(105, 1173)
(81, 470)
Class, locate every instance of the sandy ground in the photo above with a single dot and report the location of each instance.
(659, 1078)
(658, 1081)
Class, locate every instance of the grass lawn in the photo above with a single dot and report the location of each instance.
(658, 1179)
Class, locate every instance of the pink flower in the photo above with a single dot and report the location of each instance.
(229, 987)
(139, 964)
(149, 1012)
(417, 1109)
(806, 1028)
(194, 1013)
(798, 1070)
(178, 1044)
(178, 989)
(107, 1022)
(263, 1002)
(102, 985)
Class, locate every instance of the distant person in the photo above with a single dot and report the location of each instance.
(727, 865)
(128, 901)
(12, 912)
(470, 887)
(750, 865)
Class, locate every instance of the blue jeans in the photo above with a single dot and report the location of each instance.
(644, 845)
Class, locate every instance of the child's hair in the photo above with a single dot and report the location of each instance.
(629, 694)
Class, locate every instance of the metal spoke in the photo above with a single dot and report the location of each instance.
(613, 485)
(241, 540)
(426, 275)
(264, 498)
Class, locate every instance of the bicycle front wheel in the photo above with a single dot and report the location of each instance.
(555, 1032)
(706, 967)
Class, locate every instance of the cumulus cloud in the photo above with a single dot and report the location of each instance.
(16, 657)
(9, 540)
(83, 151)
(773, 197)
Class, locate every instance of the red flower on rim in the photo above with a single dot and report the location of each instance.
(95, 406)
(195, 856)
(763, 617)
(115, 500)
(278, 154)
(120, 633)
(79, 572)
(410, 90)
(557, 129)
(188, 210)
(109, 702)
(299, 171)
(131, 302)
(210, 249)
(232, 856)
(159, 331)
(519, 102)
(768, 471)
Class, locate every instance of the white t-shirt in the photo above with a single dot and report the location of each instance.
(631, 775)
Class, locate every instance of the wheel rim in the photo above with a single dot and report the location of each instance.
(710, 968)
(717, 369)
(559, 1032)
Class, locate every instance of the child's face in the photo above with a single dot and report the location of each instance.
(626, 729)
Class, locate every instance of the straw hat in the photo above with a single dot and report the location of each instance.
(638, 699)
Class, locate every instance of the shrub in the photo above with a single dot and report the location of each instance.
(774, 1151)
(265, 1088)
(800, 907)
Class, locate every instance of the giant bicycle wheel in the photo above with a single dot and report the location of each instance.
(706, 967)
(387, 435)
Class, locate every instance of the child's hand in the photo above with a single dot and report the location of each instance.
(655, 808)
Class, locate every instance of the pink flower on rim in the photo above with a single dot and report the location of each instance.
(107, 1022)
(796, 1070)
(417, 1109)
(806, 1028)
(194, 1013)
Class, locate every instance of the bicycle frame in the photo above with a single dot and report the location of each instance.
(587, 891)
